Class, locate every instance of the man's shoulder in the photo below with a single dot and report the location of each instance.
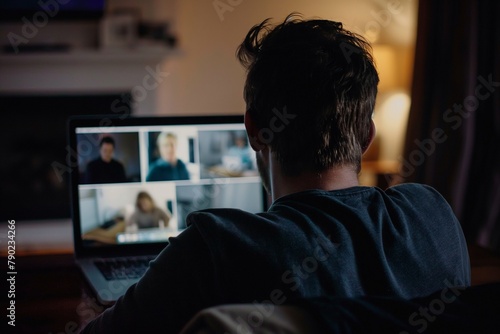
(415, 191)
(398, 194)
(413, 188)
(116, 163)
(157, 164)
(233, 222)
(153, 163)
(223, 216)
(423, 203)
(94, 163)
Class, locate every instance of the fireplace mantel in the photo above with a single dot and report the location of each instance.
(86, 71)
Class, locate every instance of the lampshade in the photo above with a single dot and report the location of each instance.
(394, 66)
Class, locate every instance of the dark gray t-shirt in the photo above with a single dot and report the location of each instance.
(404, 241)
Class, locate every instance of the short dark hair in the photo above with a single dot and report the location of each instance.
(107, 140)
(321, 74)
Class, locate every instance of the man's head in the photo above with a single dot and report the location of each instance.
(106, 149)
(310, 93)
(167, 145)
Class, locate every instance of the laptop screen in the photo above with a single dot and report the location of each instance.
(137, 179)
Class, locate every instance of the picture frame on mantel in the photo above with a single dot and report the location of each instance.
(118, 31)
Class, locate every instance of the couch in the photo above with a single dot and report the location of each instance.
(451, 310)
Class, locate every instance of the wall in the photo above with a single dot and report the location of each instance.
(207, 79)
(204, 77)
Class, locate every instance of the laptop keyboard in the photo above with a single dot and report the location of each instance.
(123, 268)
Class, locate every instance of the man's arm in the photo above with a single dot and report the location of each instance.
(178, 283)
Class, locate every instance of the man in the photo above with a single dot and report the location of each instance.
(168, 167)
(105, 169)
(310, 93)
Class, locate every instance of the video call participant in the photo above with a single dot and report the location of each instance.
(168, 167)
(324, 234)
(105, 169)
(241, 150)
(147, 214)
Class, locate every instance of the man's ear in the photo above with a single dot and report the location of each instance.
(253, 133)
(371, 136)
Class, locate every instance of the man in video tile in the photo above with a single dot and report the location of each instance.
(168, 167)
(105, 169)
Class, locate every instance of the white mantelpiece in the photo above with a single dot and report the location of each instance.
(88, 71)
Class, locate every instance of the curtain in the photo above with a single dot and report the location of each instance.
(453, 135)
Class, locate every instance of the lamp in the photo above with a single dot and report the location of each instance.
(391, 110)
(394, 65)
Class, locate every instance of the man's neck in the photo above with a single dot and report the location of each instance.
(335, 178)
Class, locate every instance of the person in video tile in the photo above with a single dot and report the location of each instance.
(241, 152)
(168, 167)
(105, 169)
(147, 214)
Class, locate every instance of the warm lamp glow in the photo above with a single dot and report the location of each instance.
(385, 60)
(396, 105)
(391, 117)
(393, 65)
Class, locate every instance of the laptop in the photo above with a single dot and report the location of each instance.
(135, 179)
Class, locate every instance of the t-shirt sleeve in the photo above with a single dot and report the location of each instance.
(178, 283)
(442, 227)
